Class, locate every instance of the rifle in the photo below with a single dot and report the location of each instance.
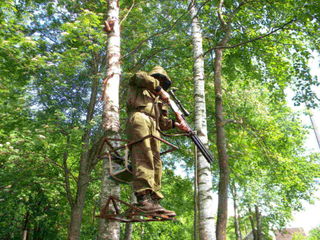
(181, 112)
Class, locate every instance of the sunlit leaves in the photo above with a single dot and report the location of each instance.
(268, 165)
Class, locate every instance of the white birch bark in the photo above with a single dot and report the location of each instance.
(111, 83)
(25, 235)
(110, 230)
(205, 193)
(315, 128)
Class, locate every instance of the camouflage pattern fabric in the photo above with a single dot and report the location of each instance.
(143, 108)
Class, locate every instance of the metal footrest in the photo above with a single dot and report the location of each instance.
(129, 213)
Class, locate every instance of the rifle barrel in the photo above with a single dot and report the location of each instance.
(178, 109)
(205, 152)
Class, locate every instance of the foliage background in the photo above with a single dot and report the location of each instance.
(52, 51)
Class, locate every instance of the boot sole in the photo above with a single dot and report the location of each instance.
(161, 212)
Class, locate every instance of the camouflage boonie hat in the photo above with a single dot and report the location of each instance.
(159, 71)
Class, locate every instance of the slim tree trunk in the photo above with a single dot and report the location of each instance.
(253, 225)
(315, 128)
(25, 226)
(237, 229)
(25, 234)
(222, 150)
(110, 120)
(195, 197)
(222, 216)
(258, 221)
(129, 226)
(254, 231)
(84, 171)
(67, 173)
(204, 185)
(77, 210)
(128, 231)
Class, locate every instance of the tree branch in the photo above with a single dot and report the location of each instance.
(251, 40)
(143, 61)
(236, 10)
(220, 16)
(225, 122)
(154, 35)
(47, 159)
(199, 8)
(125, 17)
(94, 151)
(67, 173)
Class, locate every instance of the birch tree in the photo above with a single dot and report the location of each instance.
(110, 122)
(204, 184)
(315, 127)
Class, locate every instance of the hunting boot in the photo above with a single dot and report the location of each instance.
(162, 210)
(145, 202)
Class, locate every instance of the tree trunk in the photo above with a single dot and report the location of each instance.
(129, 226)
(108, 230)
(258, 221)
(67, 173)
(110, 93)
(315, 128)
(85, 169)
(204, 185)
(222, 150)
(222, 215)
(253, 226)
(25, 226)
(237, 229)
(196, 197)
(110, 120)
(77, 210)
(25, 234)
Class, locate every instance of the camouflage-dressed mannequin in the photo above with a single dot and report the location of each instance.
(147, 113)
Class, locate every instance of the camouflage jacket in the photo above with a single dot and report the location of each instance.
(141, 98)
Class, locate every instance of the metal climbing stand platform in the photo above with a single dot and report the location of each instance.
(118, 210)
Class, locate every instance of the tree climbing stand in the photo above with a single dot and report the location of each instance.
(116, 209)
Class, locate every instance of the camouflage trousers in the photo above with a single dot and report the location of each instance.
(145, 155)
